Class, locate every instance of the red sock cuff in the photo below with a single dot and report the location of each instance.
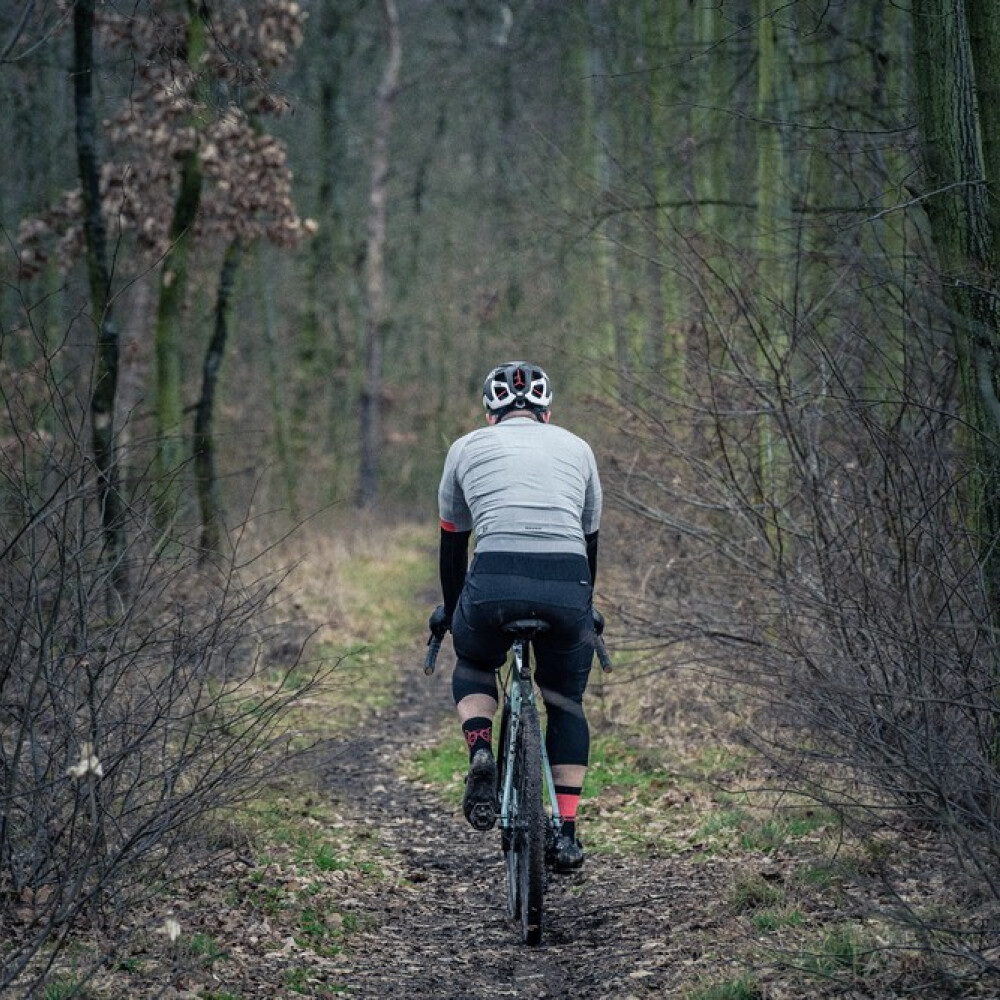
(567, 800)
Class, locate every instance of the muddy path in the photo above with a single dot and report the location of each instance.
(622, 927)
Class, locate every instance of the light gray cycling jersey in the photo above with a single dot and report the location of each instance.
(521, 486)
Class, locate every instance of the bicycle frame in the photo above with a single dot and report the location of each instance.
(518, 687)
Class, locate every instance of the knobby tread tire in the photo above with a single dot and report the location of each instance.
(530, 826)
(508, 839)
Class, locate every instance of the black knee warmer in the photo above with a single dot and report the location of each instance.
(567, 735)
(468, 680)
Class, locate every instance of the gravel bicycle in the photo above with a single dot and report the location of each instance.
(527, 831)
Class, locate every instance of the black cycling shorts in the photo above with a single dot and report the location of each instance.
(502, 587)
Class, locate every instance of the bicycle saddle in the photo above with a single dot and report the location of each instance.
(526, 627)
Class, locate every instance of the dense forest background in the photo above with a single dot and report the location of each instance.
(258, 256)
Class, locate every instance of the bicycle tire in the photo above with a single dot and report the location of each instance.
(530, 827)
(508, 840)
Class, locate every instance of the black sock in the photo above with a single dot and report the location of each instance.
(478, 734)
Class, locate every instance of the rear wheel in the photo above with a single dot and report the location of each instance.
(508, 837)
(530, 827)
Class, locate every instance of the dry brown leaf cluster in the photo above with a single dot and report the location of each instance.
(173, 109)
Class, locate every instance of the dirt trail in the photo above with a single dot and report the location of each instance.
(622, 927)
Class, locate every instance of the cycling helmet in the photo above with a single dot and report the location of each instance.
(516, 385)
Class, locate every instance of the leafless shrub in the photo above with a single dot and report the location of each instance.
(807, 483)
(123, 728)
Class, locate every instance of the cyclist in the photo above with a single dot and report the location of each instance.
(531, 493)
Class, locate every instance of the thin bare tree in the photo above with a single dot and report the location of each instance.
(102, 400)
(377, 302)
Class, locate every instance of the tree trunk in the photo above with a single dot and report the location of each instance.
(507, 152)
(961, 224)
(772, 216)
(173, 288)
(277, 380)
(375, 273)
(326, 343)
(648, 48)
(204, 446)
(960, 216)
(984, 38)
(606, 154)
(714, 144)
(102, 401)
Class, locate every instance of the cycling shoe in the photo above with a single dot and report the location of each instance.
(480, 801)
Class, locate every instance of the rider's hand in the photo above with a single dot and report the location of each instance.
(440, 622)
(598, 621)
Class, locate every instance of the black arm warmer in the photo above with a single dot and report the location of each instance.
(591, 541)
(454, 561)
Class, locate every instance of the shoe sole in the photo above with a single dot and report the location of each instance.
(482, 816)
(480, 806)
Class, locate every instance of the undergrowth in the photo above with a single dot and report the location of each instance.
(300, 873)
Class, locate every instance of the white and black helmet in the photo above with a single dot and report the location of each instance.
(516, 385)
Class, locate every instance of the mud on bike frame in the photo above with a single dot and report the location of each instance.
(527, 832)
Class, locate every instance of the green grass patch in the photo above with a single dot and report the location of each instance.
(802, 823)
(755, 892)
(615, 764)
(264, 898)
(206, 949)
(746, 829)
(722, 822)
(714, 762)
(62, 988)
(327, 859)
(301, 849)
(768, 921)
(845, 948)
(290, 680)
(822, 877)
(443, 765)
(323, 928)
(765, 836)
(741, 988)
(302, 829)
(297, 980)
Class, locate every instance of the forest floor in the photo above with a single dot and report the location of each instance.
(360, 877)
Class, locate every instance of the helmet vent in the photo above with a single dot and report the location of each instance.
(517, 384)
